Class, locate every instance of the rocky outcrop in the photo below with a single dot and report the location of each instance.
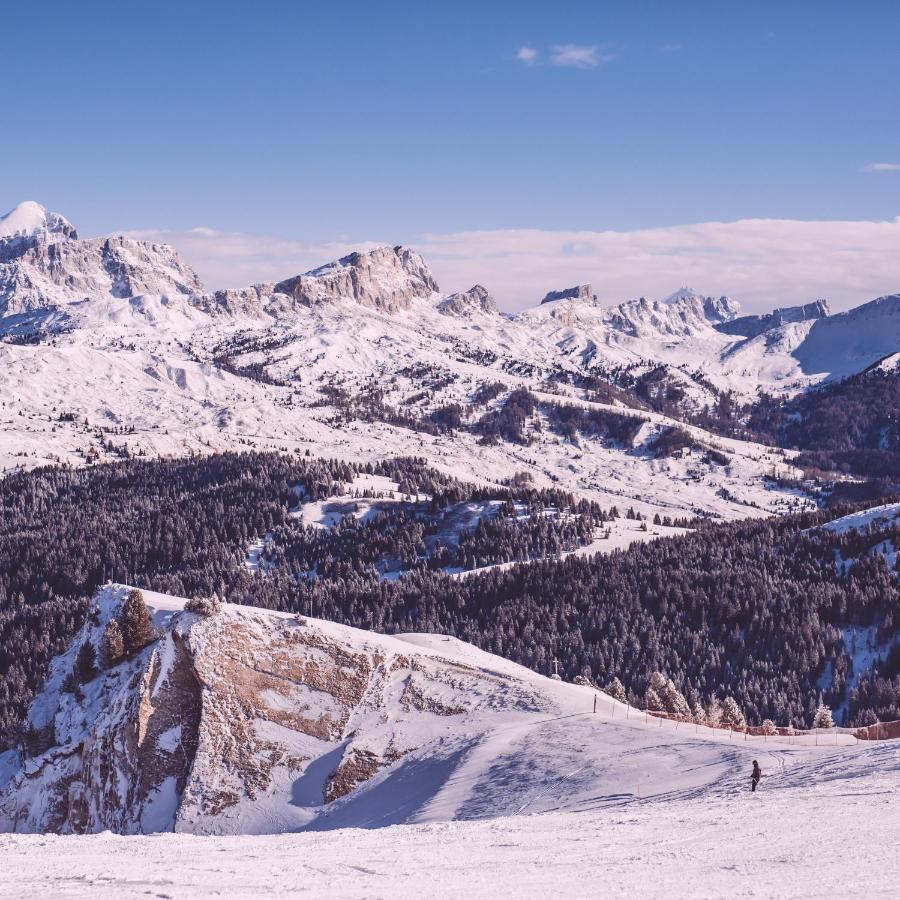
(387, 278)
(684, 315)
(241, 720)
(476, 299)
(44, 265)
(579, 292)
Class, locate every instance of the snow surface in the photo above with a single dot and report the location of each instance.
(26, 219)
(826, 829)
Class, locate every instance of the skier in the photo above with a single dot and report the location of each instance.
(754, 778)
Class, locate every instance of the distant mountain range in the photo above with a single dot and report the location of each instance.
(112, 345)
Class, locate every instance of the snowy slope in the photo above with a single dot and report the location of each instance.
(821, 830)
(252, 722)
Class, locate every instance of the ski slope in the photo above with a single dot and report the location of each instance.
(824, 829)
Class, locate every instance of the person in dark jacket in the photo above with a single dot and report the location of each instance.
(754, 778)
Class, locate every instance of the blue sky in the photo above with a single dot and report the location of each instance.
(343, 122)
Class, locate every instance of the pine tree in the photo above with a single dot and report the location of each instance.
(823, 718)
(112, 650)
(673, 700)
(768, 727)
(616, 690)
(698, 714)
(652, 700)
(732, 714)
(134, 620)
(714, 712)
(86, 663)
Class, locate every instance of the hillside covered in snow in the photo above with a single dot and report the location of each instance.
(234, 720)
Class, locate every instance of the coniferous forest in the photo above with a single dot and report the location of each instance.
(757, 610)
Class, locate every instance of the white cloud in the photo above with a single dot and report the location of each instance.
(578, 56)
(881, 167)
(763, 263)
(672, 48)
(527, 55)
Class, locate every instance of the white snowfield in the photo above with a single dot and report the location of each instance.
(828, 832)
(450, 772)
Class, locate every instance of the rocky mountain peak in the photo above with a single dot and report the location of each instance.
(386, 278)
(683, 314)
(45, 265)
(476, 299)
(27, 224)
(578, 292)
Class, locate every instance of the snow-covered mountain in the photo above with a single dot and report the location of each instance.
(45, 267)
(113, 341)
(247, 721)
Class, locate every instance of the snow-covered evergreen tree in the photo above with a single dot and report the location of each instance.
(714, 712)
(673, 700)
(732, 715)
(823, 717)
(616, 690)
(652, 700)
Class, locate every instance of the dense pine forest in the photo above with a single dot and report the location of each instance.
(757, 610)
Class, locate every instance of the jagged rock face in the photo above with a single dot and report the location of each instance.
(43, 264)
(116, 758)
(476, 299)
(28, 224)
(680, 316)
(579, 292)
(751, 326)
(387, 278)
(244, 721)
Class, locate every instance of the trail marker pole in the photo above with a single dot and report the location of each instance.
(595, 703)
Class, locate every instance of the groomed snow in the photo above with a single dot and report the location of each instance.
(828, 830)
